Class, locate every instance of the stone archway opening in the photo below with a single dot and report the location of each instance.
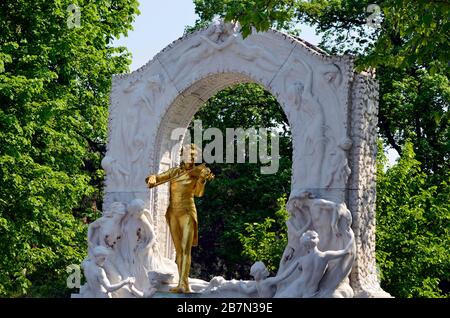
(249, 195)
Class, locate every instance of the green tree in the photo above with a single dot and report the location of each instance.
(413, 229)
(55, 79)
(265, 241)
(411, 31)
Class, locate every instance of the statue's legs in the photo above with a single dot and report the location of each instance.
(187, 224)
(175, 232)
(182, 230)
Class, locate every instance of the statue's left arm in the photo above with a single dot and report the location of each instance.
(286, 274)
(205, 175)
(200, 187)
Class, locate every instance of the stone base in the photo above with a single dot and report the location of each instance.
(160, 294)
(372, 293)
(197, 285)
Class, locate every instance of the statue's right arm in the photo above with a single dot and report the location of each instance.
(156, 179)
(329, 255)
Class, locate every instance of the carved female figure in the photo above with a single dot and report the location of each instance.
(312, 267)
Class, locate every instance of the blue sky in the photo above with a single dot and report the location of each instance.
(162, 22)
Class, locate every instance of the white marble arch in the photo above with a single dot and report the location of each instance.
(331, 110)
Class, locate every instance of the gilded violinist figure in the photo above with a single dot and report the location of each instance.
(186, 181)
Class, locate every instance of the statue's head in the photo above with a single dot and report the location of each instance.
(219, 27)
(215, 27)
(100, 254)
(136, 206)
(259, 271)
(310, 239)
(190, 154)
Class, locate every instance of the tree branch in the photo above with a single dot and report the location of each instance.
(384, 126)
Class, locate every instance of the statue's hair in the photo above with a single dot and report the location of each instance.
(257, 267)
(306, 237)
(159, 277)
(136, 204)
(190, 147)
(345, 213)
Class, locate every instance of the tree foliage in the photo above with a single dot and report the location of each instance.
(414, 106)
(411, 32)
(413, 229)
(54, 87)
(265, 241)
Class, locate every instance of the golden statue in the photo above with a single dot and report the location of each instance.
(186, 181)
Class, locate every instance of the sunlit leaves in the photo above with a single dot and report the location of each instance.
(413, 230)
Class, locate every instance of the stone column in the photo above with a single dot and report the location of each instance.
(362, 185)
